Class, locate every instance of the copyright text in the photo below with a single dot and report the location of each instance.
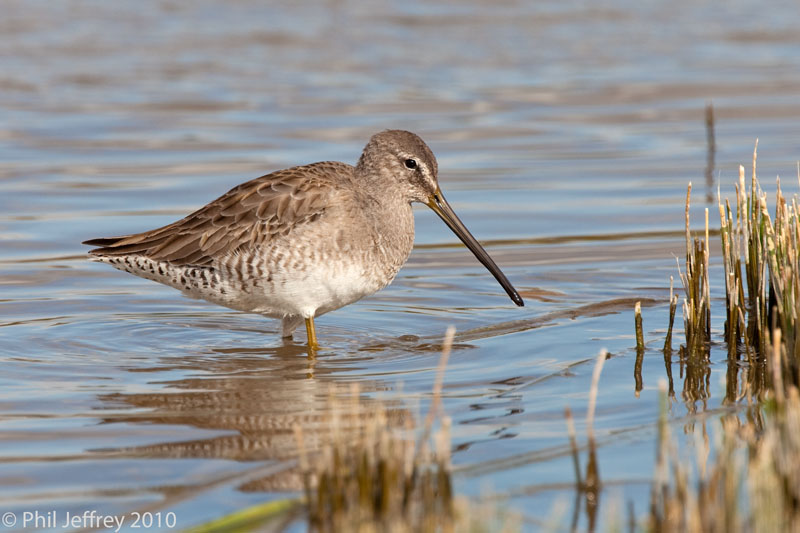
(88, 520)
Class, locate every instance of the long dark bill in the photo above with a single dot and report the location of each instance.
(440, 206)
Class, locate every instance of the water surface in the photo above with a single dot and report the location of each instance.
(565, 136)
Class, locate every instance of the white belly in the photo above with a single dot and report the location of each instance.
(313, 293)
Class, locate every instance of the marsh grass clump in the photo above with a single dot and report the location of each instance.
(697, 301)
(695, 353)
(761, 261)
(377, 483)
(752, 482)
(379, 478)
(762, 277)
(713, 502)
(744, 257)
(783, 245)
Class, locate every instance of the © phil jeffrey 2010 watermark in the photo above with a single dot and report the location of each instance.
(88, 520)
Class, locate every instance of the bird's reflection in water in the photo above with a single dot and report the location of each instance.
(258, 396)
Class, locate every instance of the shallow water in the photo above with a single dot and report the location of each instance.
(565, 137)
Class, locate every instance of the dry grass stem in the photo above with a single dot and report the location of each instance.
(598, 369)
(673, 304)
(637, 312)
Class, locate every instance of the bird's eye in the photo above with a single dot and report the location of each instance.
(410, 164)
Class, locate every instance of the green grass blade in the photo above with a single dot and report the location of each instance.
(249, 519)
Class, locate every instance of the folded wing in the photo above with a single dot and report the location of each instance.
(248, 215)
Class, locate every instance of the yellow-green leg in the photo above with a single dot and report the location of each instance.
(311, 333)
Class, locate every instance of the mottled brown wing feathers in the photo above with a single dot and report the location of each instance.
(247, 215)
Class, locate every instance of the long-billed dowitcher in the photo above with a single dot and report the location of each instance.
(300, 242)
